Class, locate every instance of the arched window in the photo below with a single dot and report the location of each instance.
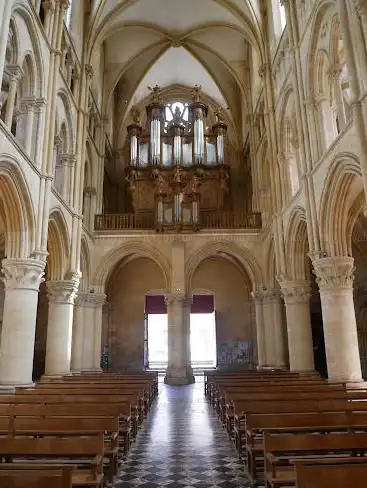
(68, 14)
(283, 19)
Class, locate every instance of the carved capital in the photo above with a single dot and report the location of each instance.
(178, 297)
(26, 274)
(14, 72)
(266, 295)
(89, 70)
(296, 291)
(334, 273)
(361, 7)
(91, 300)
(62, 291)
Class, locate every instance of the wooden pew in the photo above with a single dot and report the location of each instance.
(31, 476)
(279, 449)
(331, 473)
(295, 424)
(69, 427)
(85, 454)
(79, 410)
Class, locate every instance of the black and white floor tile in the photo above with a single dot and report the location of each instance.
(182, 445)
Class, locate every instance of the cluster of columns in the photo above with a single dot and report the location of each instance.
(74, 331)
(334, 276)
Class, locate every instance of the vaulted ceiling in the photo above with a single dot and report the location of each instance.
(170, 42)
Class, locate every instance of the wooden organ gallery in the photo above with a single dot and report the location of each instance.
(178, 167)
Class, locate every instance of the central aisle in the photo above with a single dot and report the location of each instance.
(182, 445)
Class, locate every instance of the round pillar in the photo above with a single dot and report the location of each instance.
(61, 296)
(335, 277)
(22, 278)
(297, 296)
(179, 371)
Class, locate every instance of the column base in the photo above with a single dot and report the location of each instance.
(92, 371)
(50, 377)
(11, 388)
(179, 380)
(350, 384)
(272, 368)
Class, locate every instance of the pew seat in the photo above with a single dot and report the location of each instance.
(281, 449)
(31, 476)
(331, 473)
(84, 454)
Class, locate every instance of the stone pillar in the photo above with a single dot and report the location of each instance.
(297, 296)
(78, 334)
(179, 371)
(334, 276)
(15, 75)
(22, 278)
(61, 295)
(260, 332)
(87, 332)
(270, 333)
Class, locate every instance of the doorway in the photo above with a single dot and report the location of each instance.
(157, 331)
(203, 340)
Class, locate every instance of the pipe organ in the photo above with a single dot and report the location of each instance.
(177, 165)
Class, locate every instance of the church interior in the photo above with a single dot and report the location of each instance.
(183, 243)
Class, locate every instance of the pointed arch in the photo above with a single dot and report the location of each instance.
(58, 245)
(241, 255)
(137, 248)
(297, 245)
(343, 187)
(17, 209)
(19, 8)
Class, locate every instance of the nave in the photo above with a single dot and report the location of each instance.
(182, 445)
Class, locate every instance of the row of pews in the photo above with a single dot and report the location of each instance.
(293, 430)
(73, 431)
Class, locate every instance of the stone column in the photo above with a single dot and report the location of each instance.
(260, 332)
(15, 75)
(335, 279)
(22, 278)
(78, 334)
(270, 332)
(61, 295)
(87, 332)
(297, 296)
(179, 371)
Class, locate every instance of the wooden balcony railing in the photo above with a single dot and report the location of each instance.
(208, 220)
(127, 221)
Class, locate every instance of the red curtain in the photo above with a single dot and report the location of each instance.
(202, 304)
(155, 304)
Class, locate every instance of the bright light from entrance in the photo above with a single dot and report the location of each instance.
(157, 341)
(202, 340)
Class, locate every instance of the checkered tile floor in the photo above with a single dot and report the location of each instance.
(182, 445)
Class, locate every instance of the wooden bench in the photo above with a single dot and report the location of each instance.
(85, 454)
(295, 423)
(30, 476)
(331, 473)
(279, 449)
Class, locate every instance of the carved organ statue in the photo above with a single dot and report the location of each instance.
(177, 166)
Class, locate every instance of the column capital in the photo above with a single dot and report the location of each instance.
(334, 273)
(361, 7)
(178, 297)
(266, 294)
(62, 291)
(298, 291)
(22, 273)
(90, 299)
(14, 71)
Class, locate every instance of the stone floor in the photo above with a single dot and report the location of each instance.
(182, 445)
